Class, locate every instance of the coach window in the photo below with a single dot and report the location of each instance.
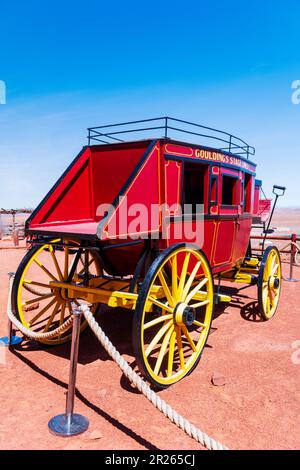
(229, 191)
(195, 187)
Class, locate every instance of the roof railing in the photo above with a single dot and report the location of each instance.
(171, 127)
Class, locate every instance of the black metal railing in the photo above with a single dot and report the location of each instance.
(172, 128)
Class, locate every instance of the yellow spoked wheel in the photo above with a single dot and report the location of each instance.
(41, 307)
(173, 315)
(269, 283)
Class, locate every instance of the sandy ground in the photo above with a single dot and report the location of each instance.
(258, 407)
(287, 220)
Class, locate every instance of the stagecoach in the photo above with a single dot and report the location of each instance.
(154, 225)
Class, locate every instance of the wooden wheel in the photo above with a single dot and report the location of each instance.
(37, 305)
(173, 314)
(269, 283)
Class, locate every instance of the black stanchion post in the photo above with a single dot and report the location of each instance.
(70, 423)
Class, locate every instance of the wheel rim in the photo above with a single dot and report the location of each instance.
(271, 283)
(176, 316)
(40, 307)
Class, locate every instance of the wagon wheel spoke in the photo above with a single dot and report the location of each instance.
(190, 281)
(163, 350)
(36, 299)
(268, 305)
(156, 321)
(171, 353)
(166, 288)
(66, 264)
(62, 314)
(158, 337)
(174, 278)
(199, 324)
(52, 316)
(188, 337)
(180, 348)
(194, 291)
(183, 274)
(83, 269)
(274, 269)
(160, 304)
(62, 317)
(54, 259)
(35, 283)
(27, 286)
(38, 263)
(34, 319)
(265, 293)
(200, 304)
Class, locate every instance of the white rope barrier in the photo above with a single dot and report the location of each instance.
(134, 378)
(138, 382)
(26, 331)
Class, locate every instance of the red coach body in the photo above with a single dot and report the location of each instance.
(149, 225)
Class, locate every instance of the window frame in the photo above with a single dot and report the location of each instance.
(236, 177)
(206, 166)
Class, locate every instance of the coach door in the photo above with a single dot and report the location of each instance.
(227, 221)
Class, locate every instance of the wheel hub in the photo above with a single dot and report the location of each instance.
(184, 314)
(274, 282)
(61, 293)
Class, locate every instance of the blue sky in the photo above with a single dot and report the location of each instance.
(71, 65)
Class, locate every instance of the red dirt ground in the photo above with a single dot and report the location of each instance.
(257, 408)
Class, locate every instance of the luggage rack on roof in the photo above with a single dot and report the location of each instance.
(230, 143)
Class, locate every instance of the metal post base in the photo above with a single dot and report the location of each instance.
(13, 341)
(290, 279)
(60, 425)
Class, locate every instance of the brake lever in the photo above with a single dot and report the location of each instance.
(278, 190)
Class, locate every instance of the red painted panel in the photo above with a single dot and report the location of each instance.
(242, 239)
(206, 237)
(55, 200)
(143, 192)
(224, 245)
(94, 178)
(110, 169)
(74, 203)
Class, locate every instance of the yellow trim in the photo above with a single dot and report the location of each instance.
(224, 298)
(178, 185)
(191, 154)
(97, 295)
